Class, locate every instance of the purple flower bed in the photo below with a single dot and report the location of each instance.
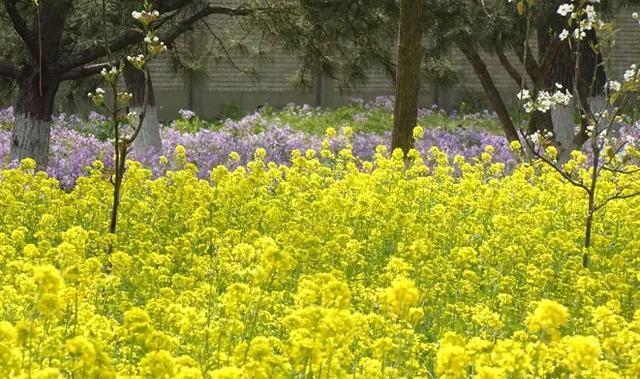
(74, 147)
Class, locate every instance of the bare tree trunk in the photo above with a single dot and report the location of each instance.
(563, 72)
(148, 140)
(30, 138)
(590, 86)
(408, 74)
(564, 130)
(39, 83)
(490, 90)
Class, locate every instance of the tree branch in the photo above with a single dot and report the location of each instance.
(529, 61)
(133, 36)
(553, 165)
(20, 26)
(86, 71)
(488, 85)
(618, 196)
(388, 65)
(123, 41)
(224, 49)
(549, 56)
(187, 24)
(621, 171)
(92, 54)
(512, 71)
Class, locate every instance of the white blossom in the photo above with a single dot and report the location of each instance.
(614, 85)
(524, 95)
(591, 13)
(630, 74)
(565, 9)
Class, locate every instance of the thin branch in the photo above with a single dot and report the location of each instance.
(87, 71)
(617, 196)
(388, 66)
(20, 26)
(619, 171)
(528, 60)
(224, 49)
(187, 24)
(145, 103)
(553, 165)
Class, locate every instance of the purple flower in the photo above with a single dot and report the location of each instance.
(186, 114)
(7, 116)
(74, 146)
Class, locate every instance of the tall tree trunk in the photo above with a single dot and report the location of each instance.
(563, 72)
(39, 84)
(31, 132)
(490, 89)
(589, 88)
(148, 139)
(408, 74)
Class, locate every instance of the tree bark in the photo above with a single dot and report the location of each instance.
(563, 130)
(588, 89)
(490, 89)
(39, 84)
(148, 139)
(30, 137)
(408, 74)
(512, 71)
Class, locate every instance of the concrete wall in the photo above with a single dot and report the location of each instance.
(223, 84)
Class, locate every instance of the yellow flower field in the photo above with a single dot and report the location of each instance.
(318, 270)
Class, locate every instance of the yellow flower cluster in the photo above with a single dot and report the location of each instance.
(327, 268)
